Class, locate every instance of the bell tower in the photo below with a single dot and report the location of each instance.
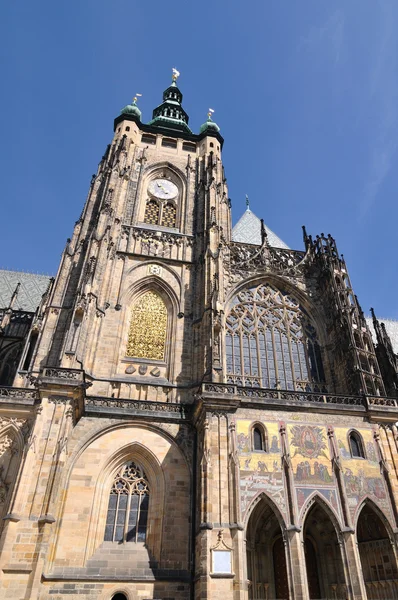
(132, 302)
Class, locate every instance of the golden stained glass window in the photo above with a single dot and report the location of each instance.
(169, 215)
(152, 212)
(148, 328)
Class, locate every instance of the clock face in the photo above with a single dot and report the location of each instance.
(163, 188)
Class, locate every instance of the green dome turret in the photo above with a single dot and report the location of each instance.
(132, 109)
(210, 125)
(170, 116)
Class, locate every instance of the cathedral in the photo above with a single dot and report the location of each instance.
(191, 410)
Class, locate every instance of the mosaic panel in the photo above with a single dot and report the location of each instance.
(362, 476)
(260, 471)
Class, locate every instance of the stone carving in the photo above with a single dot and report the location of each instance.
(243, 260)
(20, 393)
(69, 374)
(136, 405)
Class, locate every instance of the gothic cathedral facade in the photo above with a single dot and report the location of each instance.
(197, 411)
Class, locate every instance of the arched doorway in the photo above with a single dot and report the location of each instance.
(325, 571)
(266, 556)
(379, 567)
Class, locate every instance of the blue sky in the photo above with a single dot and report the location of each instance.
(305, 93)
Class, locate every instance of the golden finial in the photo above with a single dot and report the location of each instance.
(211, 111)
(176, 74)
(136, 97)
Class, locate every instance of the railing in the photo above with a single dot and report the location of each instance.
(180, 410)
(297, 396)
(18, 393)
(68, 375)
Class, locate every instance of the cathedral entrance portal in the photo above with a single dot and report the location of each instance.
(325, 571)
(266, 556)
(378, 561)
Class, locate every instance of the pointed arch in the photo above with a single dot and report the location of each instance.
(157, 328)
(317, 498)
(377, 551)
(11, 450)
(326, 561)
(263, 496)
(9, 360)
(271, 340)
(161, 211)
(268, 564)
(110, 467)
(158, 453)
(367, 501)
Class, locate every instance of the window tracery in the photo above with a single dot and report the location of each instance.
(164, 214)
(152, 212)
(127, 515)
(169, 215)
(148, 328)
(271, 342)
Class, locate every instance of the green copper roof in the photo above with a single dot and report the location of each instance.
(210, 125)
(131, 109)
(170, 114)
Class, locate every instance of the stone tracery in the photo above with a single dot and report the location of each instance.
(271, 342)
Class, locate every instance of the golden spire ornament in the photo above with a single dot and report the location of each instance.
(175, 74)
(136, 98)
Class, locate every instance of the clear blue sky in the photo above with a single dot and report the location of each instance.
(305, 93)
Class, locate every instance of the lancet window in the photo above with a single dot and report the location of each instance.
(356, 446)
(127, 515)
(148, 328)
(164, 214)
(271, 342)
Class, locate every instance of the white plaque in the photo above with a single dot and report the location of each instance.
(222, 561)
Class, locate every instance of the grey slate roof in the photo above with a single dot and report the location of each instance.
(30, 292)
(248, 231)
(391, 328)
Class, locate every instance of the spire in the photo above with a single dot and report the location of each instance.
(247, 203)
(170, 115)
(132, 109)
(210, 125)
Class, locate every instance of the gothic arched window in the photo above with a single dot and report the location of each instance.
(152, 212)
(356, 446)
(271, 343)
(127, 516)
(169, 215)
(164, 214)
(259, 438)
(148, 328)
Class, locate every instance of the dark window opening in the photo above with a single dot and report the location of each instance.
(168, 143)
(188, 147)
(127, 128)
(148, 139)
(119, 596)
(29, 354)
(257, 439)
(356, 446)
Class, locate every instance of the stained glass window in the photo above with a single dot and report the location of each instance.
(271, 342)
(148, 328)
(127, 516)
